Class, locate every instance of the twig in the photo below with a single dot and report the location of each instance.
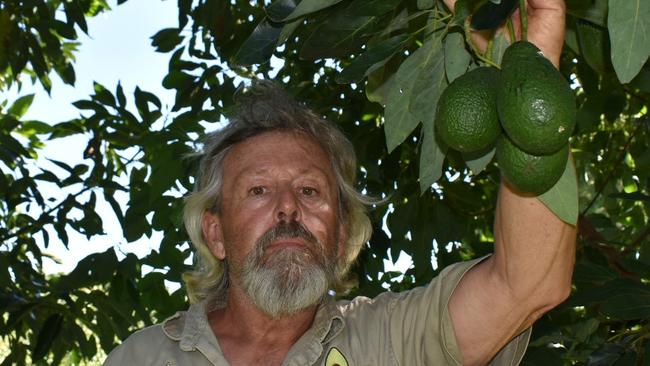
(511, 31)
(523, 17)
(477, 52)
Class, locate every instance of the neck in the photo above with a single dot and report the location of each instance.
(242, 328)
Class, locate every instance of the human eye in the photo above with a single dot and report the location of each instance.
(309, 191)
(257, 190)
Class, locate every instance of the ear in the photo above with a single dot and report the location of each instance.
(213, 234)
(343, 239)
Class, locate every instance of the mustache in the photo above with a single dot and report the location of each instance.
(285, 230)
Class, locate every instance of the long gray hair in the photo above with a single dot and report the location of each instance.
(265, 108)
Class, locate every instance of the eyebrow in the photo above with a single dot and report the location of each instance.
(261, 172)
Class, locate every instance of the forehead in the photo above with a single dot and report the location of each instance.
(277, 150)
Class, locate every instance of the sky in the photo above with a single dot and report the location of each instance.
(117, 49)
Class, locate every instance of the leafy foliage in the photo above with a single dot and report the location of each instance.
(34, 41)
(377, 68)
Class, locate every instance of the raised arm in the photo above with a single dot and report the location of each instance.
(530, 271)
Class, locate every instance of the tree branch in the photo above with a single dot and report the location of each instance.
(42, 218)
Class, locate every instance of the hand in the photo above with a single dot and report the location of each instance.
(546, 20)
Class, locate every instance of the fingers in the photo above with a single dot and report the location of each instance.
(450, 4)
(546, 24)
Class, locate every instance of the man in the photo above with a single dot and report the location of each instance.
(276, 223)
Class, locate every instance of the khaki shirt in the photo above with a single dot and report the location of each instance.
(407, 328)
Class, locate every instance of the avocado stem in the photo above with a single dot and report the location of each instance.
(480, 55)
(523, 17)
(511, 31)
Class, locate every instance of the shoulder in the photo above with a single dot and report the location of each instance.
(442, 286)
(148, 345)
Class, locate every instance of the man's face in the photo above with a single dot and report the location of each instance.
(278, 227)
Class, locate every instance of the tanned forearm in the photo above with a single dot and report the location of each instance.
(528, 274)
(534, 252)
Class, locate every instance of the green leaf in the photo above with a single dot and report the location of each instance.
(337, 36)
(48, 333)
(280, 9)
(376, 56)
(121, 98)
(345, 30)
(562, 198)
(166, 39)
(425, 4)
(464, 8)
(260, 45)
(370, 7)
(594, 273)
(379, 85)
(478, 162)
(310, 6)
(631, 301)
(586, 328)
(20, 106)
(287, 31)
(30, 128)
(629, 31)
(432, 157)
(594, 11)
(103, 95)
(594, 45)
(400, 117)
(457, 58)
(90, 105)
(142, 97)
(429, 84)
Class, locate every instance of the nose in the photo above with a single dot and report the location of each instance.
(287, 207)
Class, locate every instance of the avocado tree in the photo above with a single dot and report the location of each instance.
(378, 68)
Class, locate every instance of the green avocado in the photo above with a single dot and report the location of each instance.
(466, 119)
(535, 104)
(529, 173)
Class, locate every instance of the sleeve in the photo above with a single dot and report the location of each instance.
(421, 329)
(147, 346)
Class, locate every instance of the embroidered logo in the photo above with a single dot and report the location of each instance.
(335, 358)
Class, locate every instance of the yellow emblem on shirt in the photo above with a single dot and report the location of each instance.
(335, 358)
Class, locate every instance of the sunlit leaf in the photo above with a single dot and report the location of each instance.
(629, 31)
(400, 118)
(21, 105)
(562, 198)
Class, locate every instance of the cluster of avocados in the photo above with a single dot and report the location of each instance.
(527, 109)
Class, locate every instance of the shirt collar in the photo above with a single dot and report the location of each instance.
(192, 330)
(328, 322)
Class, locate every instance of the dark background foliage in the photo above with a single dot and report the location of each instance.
(343, 59)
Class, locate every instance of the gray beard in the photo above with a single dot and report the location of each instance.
(289, 279)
